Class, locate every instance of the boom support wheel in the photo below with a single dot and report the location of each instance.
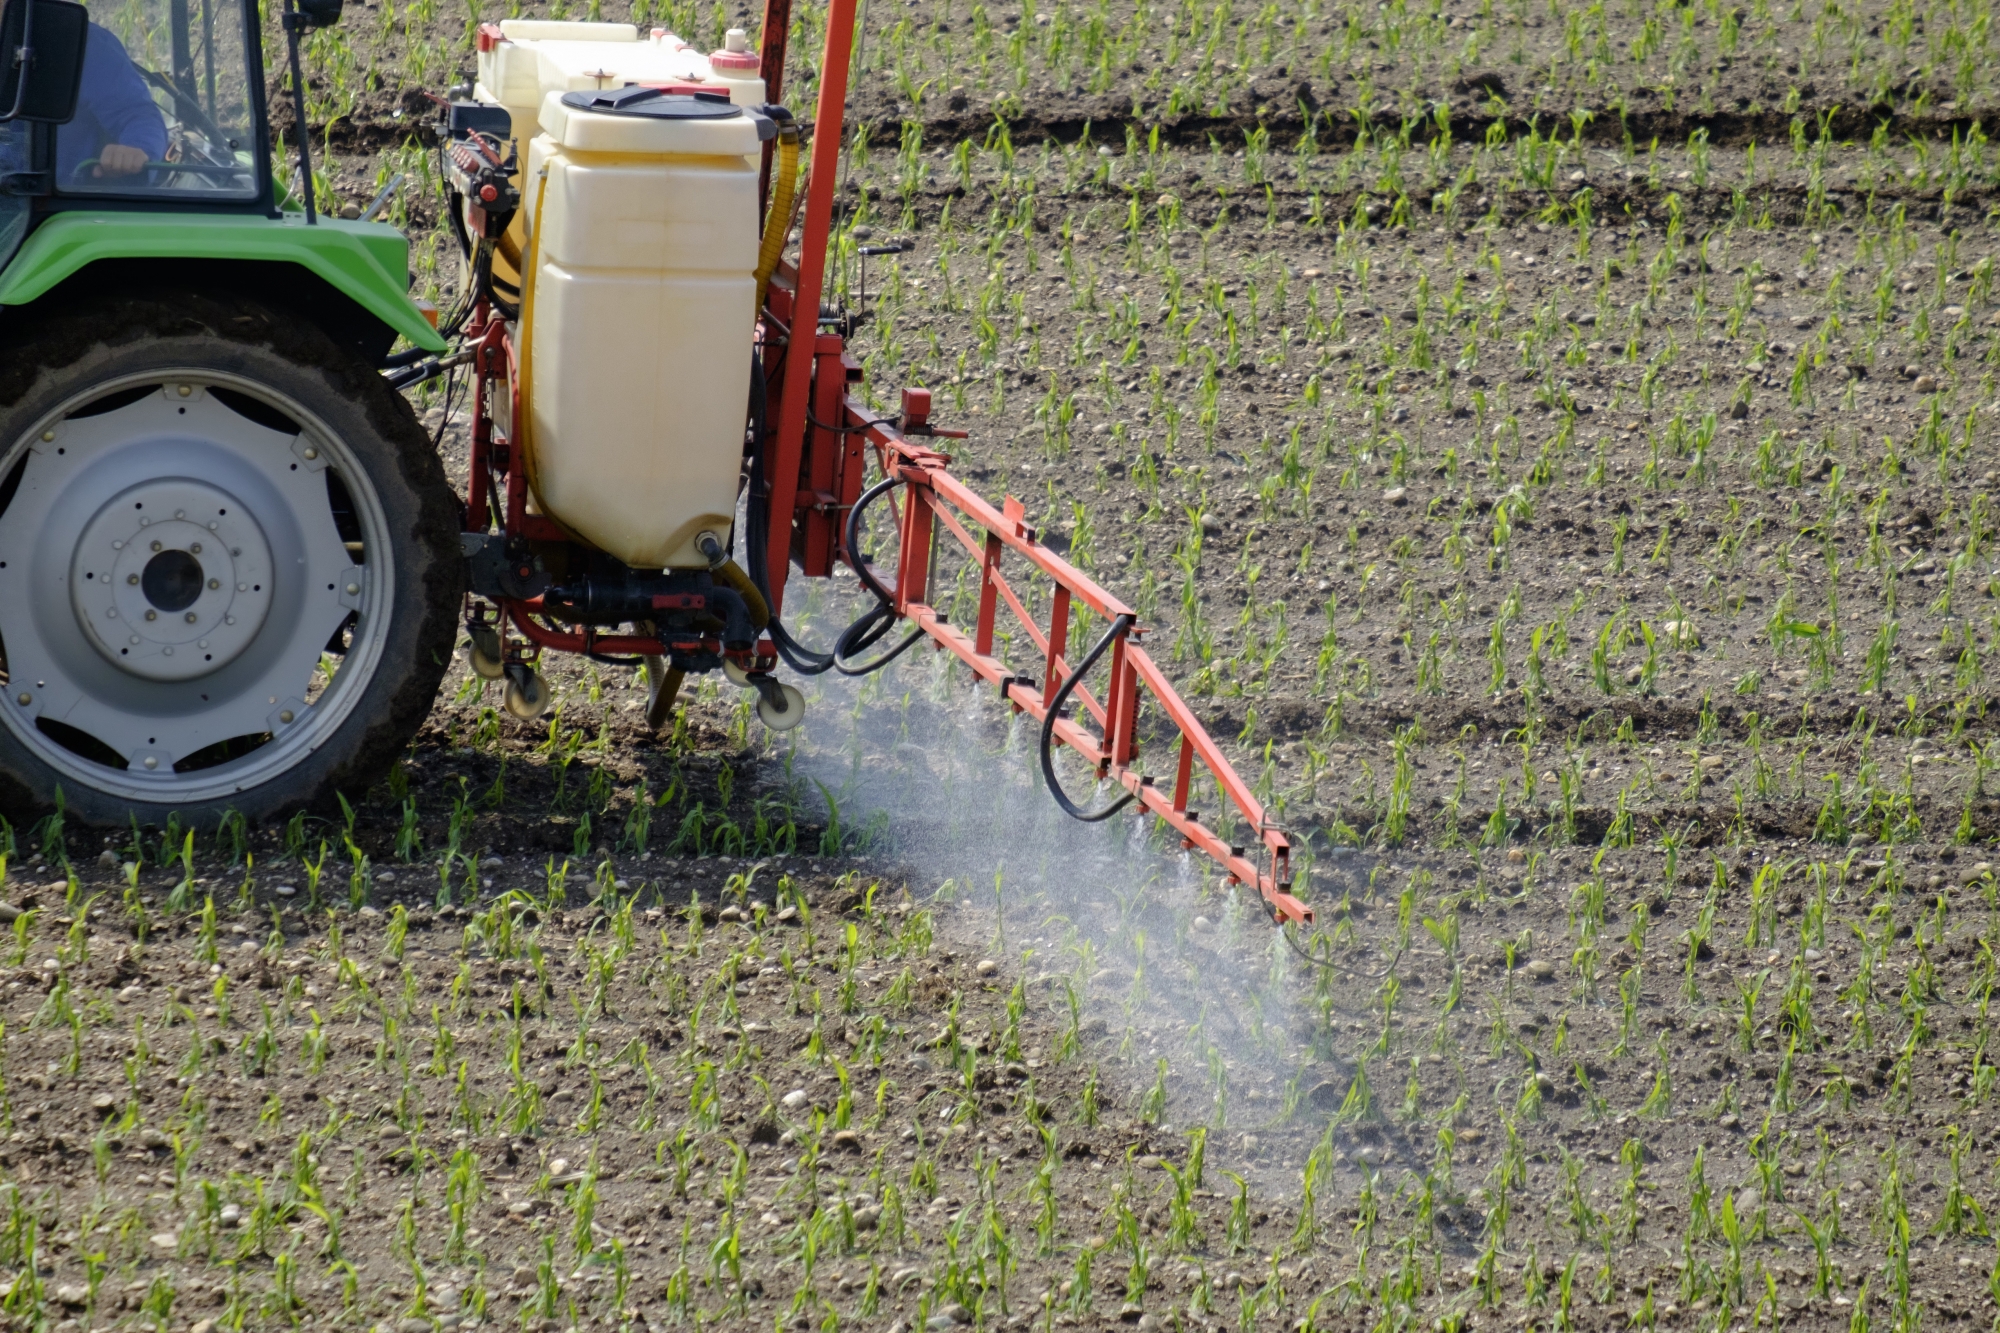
(229, 566)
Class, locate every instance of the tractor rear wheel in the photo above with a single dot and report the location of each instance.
(229, 564)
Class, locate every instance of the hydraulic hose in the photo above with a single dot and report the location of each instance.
(853, 536)
(524, 428)
(777, 225)
(866, 631)
(859, 637)
(1119, 625)
(731, 574)
(876, 622)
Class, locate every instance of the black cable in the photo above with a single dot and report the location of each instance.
(862, 635)
(451, 387)
(757, 536)
(853, 535)
(865, 632)
(877, 620)
(1332, 966)
(862, 429)
(451, 198)
(1119, 624)
(411, 376)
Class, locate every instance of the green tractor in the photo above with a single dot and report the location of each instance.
(230, 565)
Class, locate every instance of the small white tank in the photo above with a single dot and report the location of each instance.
(643, 310)
(527, 59)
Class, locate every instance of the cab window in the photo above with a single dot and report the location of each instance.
(164, 106)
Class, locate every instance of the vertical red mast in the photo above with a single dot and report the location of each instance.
(789, 440)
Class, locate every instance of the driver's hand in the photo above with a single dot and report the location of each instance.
(119, 159)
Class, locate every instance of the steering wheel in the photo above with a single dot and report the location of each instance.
(187, 108)
(212, 171)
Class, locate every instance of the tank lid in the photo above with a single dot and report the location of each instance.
(653, 103)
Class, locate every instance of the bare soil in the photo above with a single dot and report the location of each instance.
(1578, 526)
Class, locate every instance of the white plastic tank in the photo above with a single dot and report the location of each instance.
(643, 307)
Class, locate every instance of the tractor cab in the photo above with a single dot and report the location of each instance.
(149, 104)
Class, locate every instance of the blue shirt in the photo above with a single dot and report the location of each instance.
(113, 106)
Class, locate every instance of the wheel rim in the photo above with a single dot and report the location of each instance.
(179, 550)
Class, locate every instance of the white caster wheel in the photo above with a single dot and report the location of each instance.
(484, 653)
(794, 710)
(737, 675)
(527, 695)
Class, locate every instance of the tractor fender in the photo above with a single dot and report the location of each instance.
(352, 278)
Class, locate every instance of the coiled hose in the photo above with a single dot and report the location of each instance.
(866, 631)
(1119, 625)
(875, 622)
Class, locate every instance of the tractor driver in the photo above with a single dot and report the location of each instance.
(116, 121)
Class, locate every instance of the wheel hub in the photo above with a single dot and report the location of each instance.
(172, 579)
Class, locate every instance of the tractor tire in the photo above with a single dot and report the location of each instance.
(229, 564)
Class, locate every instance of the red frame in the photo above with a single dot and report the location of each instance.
(815, 467)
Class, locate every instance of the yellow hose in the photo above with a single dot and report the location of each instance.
(523, 432)
(507, 254)
(731, 573)
(778, 224)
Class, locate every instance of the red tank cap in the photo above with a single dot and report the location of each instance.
(735, 57)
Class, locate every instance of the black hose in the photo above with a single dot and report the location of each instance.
(1329, 965)
(1122, 622)
(873, 623)
(864, 633)
(411, 376)
(756, 537)
(853, 536)
(862, 429)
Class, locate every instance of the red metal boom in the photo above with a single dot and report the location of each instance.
(816, 464)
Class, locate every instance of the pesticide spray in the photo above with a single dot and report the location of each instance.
(1213, 1022)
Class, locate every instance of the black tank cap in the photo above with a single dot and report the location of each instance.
(635, 100)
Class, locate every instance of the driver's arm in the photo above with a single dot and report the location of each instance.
(134, 133)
